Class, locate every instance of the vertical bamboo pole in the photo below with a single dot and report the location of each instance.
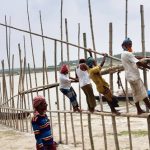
(144, 54)
(57, 96)
(61, 29)
(12, 89)
(68, 59)
(126, 84)
(5, 95)
(80, 104)
(31, 45)
(111, 54)
(148, 124)
(64, 102)
(8, 60)
(44, 65)
(111, 86)
(115, 132)
(21, 89)
(143, 42)
(27, 86)
(45, 71)
(91, 25)
(89, 115)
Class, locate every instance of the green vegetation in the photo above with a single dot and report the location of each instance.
(135, 133)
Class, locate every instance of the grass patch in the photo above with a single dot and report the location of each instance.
(135, 133)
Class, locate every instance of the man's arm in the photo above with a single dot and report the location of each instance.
(90, 53)
(103, 61)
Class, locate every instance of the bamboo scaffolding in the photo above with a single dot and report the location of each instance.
(9, 112)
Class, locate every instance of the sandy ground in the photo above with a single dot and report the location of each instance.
(14, 140)
(11, 139)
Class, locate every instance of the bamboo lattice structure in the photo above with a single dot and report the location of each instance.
(16, 105)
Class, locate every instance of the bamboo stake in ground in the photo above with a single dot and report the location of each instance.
(80, 104)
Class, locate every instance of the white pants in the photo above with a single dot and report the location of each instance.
(138, 90)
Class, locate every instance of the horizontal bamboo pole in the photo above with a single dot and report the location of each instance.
(102, 113)
(94, 51)
(39, 88)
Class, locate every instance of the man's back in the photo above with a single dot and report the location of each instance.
(129, 63)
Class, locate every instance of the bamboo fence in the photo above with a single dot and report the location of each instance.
(16, 108)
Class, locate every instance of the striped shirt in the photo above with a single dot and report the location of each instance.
(42, 130)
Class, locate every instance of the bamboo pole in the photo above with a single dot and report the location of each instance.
(45, 71)
(12, 89)
(143, 42)
(8, 61)
(89, 115)
(115, 132)
(80, 104)
(31, 45)
(144, 54)
(54, 39)
(44, 65)
(91, 25)
(57, 96)
(64, 102)
(126, 83)
(111, 53)
(68, 59)
(148, 125)
(27, 85)
(21, 86)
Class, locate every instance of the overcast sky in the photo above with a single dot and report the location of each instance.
(76, 11)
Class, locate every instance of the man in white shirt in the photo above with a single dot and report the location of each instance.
(132, 75)
(66, 88)
(85, 84)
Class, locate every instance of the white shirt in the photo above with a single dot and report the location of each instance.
(129, 63)
(83, 76)
(65, 82)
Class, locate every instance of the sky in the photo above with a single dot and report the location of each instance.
(76, 12)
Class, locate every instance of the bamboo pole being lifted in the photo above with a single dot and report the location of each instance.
(54, 39)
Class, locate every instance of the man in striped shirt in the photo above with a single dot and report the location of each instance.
(41, 125)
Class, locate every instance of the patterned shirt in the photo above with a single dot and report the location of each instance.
(97, 79)
(42, 130)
